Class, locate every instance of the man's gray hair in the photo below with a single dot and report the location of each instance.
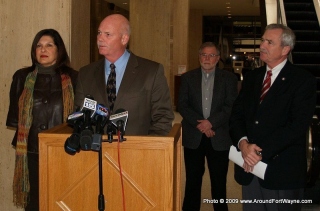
(288, 38)
(209, 44)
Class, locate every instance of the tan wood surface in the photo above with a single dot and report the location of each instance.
(151, 169)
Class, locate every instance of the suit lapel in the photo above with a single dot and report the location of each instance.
(198, 87)
(258, 84)
(278, 84)
(99, 76)
(216, 88)
(128, 78)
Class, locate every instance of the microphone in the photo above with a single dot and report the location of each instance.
(100, 120)
(89, 104)
(119, 120)
(75, 118)
(110, 132)
(72, 144)
(88, 108)
(100, 117)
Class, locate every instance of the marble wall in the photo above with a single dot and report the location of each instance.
(20, 20)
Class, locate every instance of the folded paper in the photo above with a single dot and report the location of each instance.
(259, 169)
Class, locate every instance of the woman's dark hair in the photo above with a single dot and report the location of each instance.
(62, 59)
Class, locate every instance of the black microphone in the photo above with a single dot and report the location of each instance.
(119, 120)
(100, 117)
(110, 132)
(72, 144)
(88, 108)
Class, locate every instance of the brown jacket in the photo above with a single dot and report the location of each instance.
(47, 103)
(143, 92)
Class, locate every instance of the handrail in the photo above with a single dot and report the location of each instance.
(313, 152)
(317, 8)
(282, 16)
(313, 135)
(282, 19)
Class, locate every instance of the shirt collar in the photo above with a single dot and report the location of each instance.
(204, 73)
(277, 68)
(120, 63)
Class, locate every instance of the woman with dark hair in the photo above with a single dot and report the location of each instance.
(41, 97)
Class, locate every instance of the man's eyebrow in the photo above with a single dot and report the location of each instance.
(270, 41)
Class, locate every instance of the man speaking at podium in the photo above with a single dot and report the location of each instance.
(124, 80)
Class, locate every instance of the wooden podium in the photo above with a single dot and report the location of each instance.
(151, 169)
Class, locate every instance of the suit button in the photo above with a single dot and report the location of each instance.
(256, 122)
(43, 127)
(45, 100)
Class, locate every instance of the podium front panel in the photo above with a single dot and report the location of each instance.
(150, 180)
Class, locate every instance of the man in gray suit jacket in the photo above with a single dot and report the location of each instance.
(141, 86)
(206, 97)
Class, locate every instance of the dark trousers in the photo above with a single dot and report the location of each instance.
(218, 162)
(33, 165)
(255, 192)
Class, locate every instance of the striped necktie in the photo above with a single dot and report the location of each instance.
(266, 85)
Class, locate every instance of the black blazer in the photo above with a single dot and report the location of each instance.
(278, 125)
(190, 107)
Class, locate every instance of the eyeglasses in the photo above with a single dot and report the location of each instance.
(211, 55)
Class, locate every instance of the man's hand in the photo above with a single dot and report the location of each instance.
(204, 125)
(250, 155)
(210, 133)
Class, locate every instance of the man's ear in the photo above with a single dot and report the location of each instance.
(286, 50)
(125, 39)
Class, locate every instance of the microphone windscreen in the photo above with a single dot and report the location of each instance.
(86, 139)
(72, 144)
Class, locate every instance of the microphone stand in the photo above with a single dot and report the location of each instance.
(101, 202)
(120, 126)
(120, 129)
(98, 136)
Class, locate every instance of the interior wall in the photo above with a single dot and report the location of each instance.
(195, 37)
(20, 20)
(180, 41)
(150, 37)
(161, 34)
(99, 10)
(79, 34)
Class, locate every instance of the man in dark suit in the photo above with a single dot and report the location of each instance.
(141, 87)
(206, 96)
(271, 124)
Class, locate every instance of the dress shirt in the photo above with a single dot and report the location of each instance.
(275, 71)
(207, 90)
(121, 65)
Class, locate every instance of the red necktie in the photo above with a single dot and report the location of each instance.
(266, 85)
